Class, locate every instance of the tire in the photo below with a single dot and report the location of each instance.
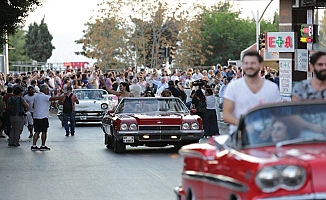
(119, 147)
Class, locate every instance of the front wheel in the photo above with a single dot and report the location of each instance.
(118, 146)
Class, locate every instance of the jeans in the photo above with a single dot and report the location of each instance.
(71, 118)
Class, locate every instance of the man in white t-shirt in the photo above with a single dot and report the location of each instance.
(197, 75)
(29, 98)
(41, 115)
(248, 92)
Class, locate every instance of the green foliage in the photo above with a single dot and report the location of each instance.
(38, 42)
(17, 41)
(13, 14)
(229, 34)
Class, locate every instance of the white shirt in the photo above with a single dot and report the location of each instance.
(51, 82)
(211, 102)
(135, 89)
(30, 101)
(197, 76)
(41, 105)
(173, 78)
(244, 99)
(160, 89)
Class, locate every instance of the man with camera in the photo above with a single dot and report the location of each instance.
(16, 106)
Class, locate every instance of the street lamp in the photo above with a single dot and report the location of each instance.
(257, 19)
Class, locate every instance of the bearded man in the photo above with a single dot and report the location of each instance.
(314, 89)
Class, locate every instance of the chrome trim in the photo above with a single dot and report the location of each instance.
(184, 152)
(183, 132)
(320, 196)
(220, 180)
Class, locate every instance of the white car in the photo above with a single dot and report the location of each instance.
(93, 105)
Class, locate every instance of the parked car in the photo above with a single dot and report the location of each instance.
(277, 153)
(151, 121)
(93, 105)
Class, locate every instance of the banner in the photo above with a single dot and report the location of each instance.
(285, 70)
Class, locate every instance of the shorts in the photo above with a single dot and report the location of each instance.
(41, 125)
(29, 119)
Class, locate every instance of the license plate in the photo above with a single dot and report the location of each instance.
(128, 139)
(83, 117)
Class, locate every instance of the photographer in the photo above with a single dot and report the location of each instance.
(16, 106)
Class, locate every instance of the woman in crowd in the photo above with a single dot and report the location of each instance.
(210, 119)
(124, 91)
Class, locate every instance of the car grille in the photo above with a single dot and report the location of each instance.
(89, 113)
(159, 128)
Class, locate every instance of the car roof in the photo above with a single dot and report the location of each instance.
(141, 98)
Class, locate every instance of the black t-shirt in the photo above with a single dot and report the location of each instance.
(175, 92)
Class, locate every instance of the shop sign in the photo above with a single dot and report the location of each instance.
(280, 42)
(301, 60)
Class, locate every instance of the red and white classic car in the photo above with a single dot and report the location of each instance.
(151, 121)
(277, 153)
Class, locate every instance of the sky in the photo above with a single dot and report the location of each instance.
(66, 19)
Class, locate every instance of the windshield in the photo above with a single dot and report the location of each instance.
(270, 126)
(91, 94)
(150, 105)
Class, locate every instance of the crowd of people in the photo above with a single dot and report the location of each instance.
(201, 90)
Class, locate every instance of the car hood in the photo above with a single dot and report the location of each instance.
(312, 154)
(159, 119)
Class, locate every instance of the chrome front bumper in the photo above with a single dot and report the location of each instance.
(312, 196)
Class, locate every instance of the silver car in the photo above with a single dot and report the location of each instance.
(93, 105)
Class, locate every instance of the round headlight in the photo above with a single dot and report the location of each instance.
(268, 179)
(185, 126)
(293, 177)
(60, 107)
(133, 127)
(195, 126)
(104, 106)
(123, 127)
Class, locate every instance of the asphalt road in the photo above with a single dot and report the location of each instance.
(80, 167)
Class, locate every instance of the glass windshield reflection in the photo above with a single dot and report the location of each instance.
(272, 125)
(151, 105)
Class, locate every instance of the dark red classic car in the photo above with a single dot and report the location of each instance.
(151, 121)
(277, 153)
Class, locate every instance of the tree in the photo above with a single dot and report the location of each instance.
(38, 42)
(13, 14)
(134, 38)
(322, 36)
(17, 41)
(228, 33)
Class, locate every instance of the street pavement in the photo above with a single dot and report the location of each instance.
(80, 167)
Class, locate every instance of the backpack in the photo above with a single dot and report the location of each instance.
(12, 108)
(67, 104)
(201, 107)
